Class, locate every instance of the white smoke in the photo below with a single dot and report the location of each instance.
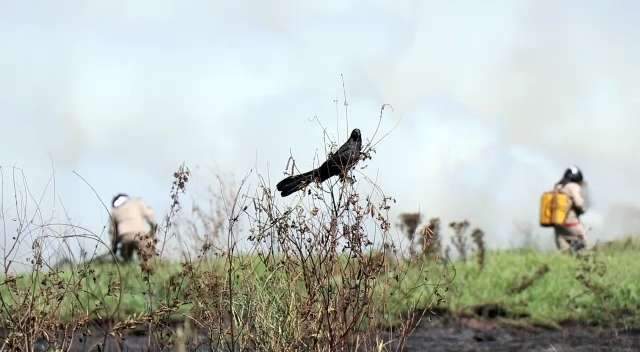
(494, 99)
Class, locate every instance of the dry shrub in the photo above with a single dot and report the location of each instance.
(481, 251)
(409, 223)
(459, 238)
(313, 284)
(597, 291)
(315, 276)
(312, 272)
(430, 239)
(50, 305)
(460, 241)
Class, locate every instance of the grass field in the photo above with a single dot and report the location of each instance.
(600, 287)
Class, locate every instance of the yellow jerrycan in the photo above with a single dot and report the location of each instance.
(554, 207)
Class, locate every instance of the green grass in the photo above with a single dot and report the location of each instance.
(609, 291)
(95, 295)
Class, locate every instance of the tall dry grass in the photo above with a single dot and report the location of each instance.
(318, 272)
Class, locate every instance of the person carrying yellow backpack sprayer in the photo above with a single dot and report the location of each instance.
(562, 208)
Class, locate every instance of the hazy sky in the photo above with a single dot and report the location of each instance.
(493, 98)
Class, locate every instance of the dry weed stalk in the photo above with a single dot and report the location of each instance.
(430, 239)
(459, 239)
(409, 223)
(478, 239)
(40, 302)
(326, 246)
(313, 274)
(528, 280)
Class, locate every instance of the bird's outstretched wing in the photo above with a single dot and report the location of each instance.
(338, 163)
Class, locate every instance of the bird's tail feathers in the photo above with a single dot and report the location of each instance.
(294, 183)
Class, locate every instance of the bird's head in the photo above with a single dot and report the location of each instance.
(355, 135)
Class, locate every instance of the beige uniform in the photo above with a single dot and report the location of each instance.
(572, 231)
(132, 225)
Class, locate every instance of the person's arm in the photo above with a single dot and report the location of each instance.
(575, 192)
(149, 216)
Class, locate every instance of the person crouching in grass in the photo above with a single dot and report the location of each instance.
(133, 229)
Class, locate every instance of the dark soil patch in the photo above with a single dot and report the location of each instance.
(441, 333)
(490, 311)
(474, 334)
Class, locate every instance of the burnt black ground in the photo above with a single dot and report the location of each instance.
(481, 335)
(436, 334)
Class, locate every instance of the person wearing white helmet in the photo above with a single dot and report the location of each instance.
(132, 229)
(571, 236)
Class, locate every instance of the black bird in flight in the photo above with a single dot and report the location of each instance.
(337, 164)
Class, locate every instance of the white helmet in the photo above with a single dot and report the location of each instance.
(119, 199)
